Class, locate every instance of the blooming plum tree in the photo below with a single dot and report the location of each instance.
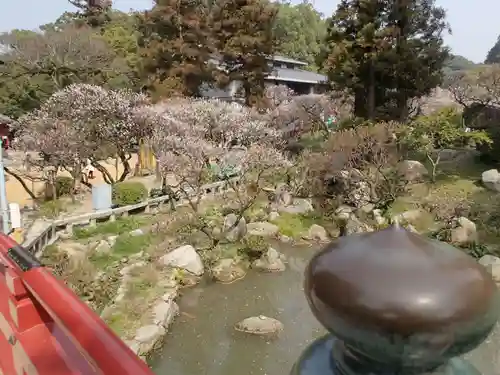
(195, 142)
(86, 122)
(220, 122)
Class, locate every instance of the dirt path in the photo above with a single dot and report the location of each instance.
(17, 194)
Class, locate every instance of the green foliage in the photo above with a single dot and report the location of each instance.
(382, 68)
(51, 209)
(175, 40)
(438, 131)
(253, 247)
(121, 225)
(124, 246)
(300, 31)
(457, 63)
(64, 186)
(493, 56)
(295, 226)
(243, 37)
(129, 192)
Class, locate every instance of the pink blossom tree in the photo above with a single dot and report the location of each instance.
(89, 122)
(194, 146)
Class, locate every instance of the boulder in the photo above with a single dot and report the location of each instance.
(262, 228)
(379, 219)
(353, 225)
(234, 232)
(464, 233)
(164, 312)
(260, 325)
(410, 216)
(184, 257)
(227, 271)
(344, 212)
(136, 232)
(149, 337)
(271, 261)
(491, 179)
(273, 216)
(282, 196)
(412, 170)
(103, 247)
(492, 264)
(111, 240)
(298, 206)
(316, 233)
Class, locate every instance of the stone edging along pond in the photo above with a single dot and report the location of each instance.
(148, 338)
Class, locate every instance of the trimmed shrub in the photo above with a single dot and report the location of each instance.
(253, 247)
(64, 185)
(129, 192)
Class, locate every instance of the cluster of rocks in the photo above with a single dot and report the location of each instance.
(150, 337)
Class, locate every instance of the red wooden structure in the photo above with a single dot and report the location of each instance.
(46, 330)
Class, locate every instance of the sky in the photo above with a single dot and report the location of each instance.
(473, 22)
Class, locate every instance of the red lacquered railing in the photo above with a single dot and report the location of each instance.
(45, 329)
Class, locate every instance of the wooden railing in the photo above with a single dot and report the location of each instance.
(50, 234)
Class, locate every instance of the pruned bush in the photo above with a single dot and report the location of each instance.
(354, 167)
(64, 186)
(253, 246)
(129, 192)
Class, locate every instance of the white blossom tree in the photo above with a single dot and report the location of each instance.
(89, 122)
(194, 144)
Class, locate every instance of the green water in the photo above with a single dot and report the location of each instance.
(202, 340)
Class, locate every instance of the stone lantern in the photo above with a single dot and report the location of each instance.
(396, 303)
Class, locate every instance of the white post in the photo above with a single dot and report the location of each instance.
(4, 210)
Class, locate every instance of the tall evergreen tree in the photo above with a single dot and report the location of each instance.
(386, 53)
(176, 47)
(493, 56)
(94, 13)
(243, 38)
(300, 31)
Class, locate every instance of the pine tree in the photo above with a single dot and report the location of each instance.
(176, 47)
(94, 13)
(386, 53)
(493, 56)
(243, 38)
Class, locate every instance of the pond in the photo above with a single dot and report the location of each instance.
(203, 341)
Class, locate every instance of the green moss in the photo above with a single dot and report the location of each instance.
(52, 209)
(119, 226)
(295, 225)
(124, 246)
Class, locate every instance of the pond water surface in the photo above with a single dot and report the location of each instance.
(203, 341)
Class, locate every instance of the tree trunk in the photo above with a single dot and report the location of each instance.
(360, 103)
(126, 166)
(105, 173)
(21, 181)
(371, 93)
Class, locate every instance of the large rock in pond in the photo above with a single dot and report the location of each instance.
(186, 258)
(260, 325)
(492, 264)
(316, 233)
(491, 179)
(262, 229)
(271, 261)
(227, 271)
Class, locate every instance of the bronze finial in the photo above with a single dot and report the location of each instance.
(398, 303)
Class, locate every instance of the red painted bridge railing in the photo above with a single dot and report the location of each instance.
(45, 329)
